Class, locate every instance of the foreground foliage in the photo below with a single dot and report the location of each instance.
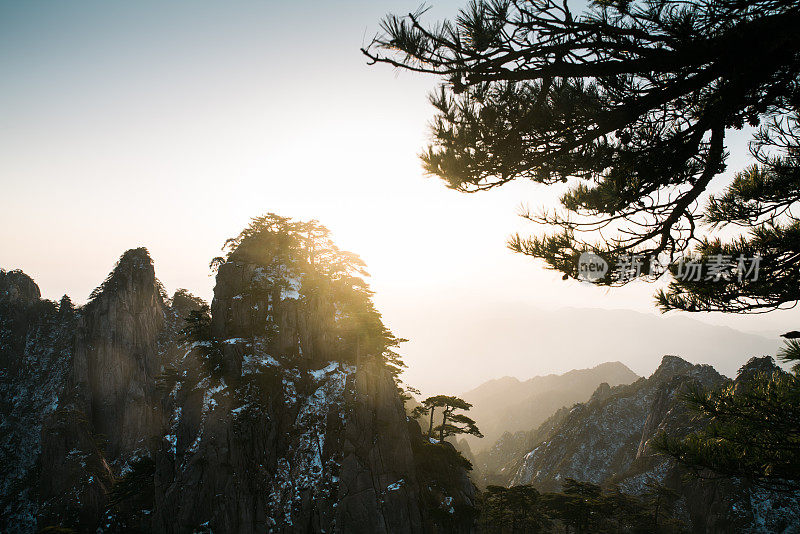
(580, 507)
(751, 431)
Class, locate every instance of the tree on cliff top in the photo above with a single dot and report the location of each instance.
(629, 104)
(305, 250)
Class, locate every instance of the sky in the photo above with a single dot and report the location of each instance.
(170, 124)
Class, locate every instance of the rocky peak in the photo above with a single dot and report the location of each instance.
(315, 437)
(601, 393)
(671, 366)
(118, 340)
(301, 295)
(183, 302)
(135, 259)
(609, 442)
(35, 353)
(19, 296)
(110, 410)
(605, 435)
(18, 286)
(133, 279)
(755, 366)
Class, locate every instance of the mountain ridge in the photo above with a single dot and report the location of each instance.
(608, 440)
(259, 414)
(511, 405)
(498, 339)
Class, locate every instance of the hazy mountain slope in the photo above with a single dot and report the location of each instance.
(510, 405)
(498, 464)
(607, 441)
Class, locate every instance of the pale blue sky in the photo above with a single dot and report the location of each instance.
(171, 124)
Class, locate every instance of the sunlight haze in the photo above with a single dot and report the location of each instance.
(170, 125)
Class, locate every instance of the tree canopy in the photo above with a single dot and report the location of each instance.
(579, 507)
(305, 248)
(628, 105)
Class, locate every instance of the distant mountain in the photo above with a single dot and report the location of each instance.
(607, 441)
(508, 404)
(486, 341)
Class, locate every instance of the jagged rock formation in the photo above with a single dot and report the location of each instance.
(499, 464)
(506, 409)
(511, 405)
(108, 410)
(274, 410)
(609, 429)
(608, 441)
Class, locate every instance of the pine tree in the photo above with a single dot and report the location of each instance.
(517, 509)
(628, 104)
(452, 423)
(751, 430)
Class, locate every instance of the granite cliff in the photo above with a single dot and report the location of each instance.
(276, 409)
